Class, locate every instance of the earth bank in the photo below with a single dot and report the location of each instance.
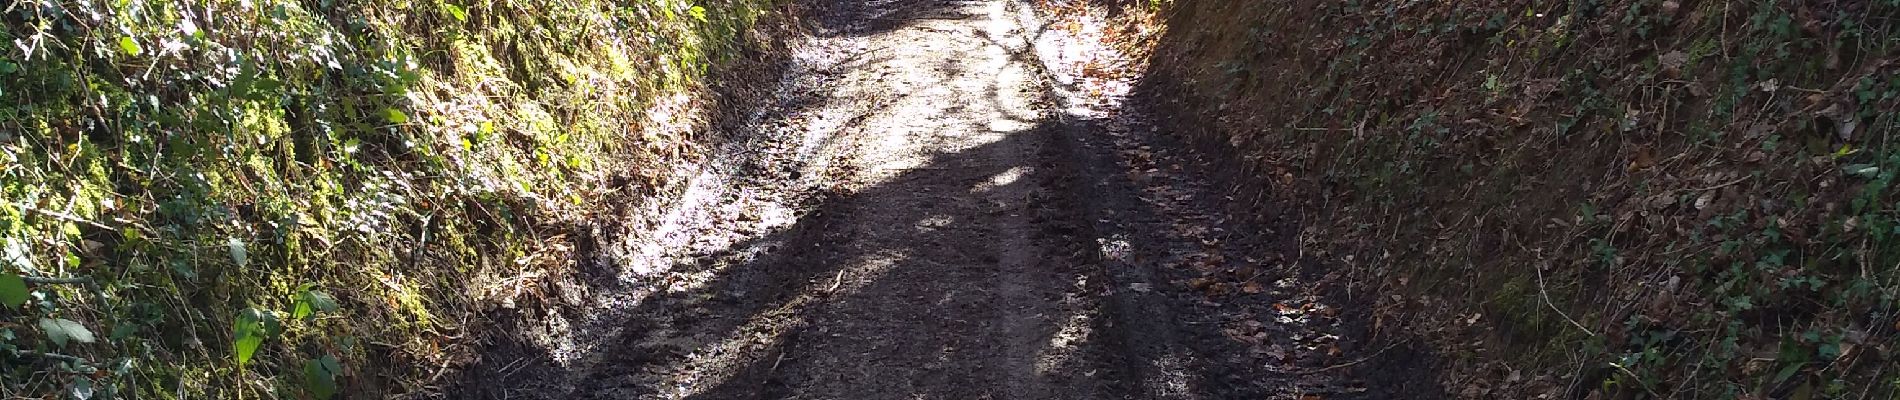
(1603, 199)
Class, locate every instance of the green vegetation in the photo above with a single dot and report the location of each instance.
(1643, 198)
(293, 199)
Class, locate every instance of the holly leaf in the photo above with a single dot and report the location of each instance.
(62, 330)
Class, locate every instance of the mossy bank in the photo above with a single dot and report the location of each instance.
(300, 199)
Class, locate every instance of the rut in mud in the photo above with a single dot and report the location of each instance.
(922, 216)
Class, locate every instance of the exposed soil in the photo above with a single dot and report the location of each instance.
(927, 212)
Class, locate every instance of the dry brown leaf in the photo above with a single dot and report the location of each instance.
(1252, 288)
(1644, 158)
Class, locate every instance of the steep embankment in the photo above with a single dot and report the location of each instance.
(231, 199)
(1593, 199)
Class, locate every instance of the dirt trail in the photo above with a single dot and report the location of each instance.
(921, 217)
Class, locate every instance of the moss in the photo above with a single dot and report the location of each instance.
(326, 144)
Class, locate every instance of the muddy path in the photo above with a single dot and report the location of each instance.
(922, 215)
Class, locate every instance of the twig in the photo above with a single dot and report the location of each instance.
(91, 285)
(415, 255)
(1737, 180)
(1553, 306)
(77, 220)
(83, 363)
(1338, 366)
(775, 363)
(516, 366)
(1639, 379)
(1870, 388)
(66, 217)
(55, 281)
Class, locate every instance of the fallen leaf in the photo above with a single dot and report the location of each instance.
(1643, 159)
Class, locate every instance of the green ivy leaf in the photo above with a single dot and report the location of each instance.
(124, 331)
(13, 291)
(395, 116)
(455, 11)
(264, 87)
(183, 269)
(252, 327)
(310, 302)
(129, 46)
(62, 330)
(698, 13)
(319, 376)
